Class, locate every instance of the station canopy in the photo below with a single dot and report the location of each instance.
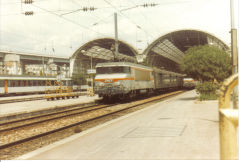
(164, 53)
(101, 50)
(105, 48)
(167, 51)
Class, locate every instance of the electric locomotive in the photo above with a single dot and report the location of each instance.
(122, 79)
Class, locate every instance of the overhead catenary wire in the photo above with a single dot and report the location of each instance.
(147, 20)
(20, 1)
(127, 17)
(69, 20)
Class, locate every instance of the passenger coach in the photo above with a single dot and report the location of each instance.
(124, 79)
(28, 85)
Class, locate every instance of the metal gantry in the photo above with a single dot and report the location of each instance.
(167, 49)
(103, 53)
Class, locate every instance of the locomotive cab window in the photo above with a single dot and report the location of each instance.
(112, 70)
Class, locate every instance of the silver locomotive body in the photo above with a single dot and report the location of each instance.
(122, 78)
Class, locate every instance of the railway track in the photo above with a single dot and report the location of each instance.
(21, 100)
(45, 128)
(21, 123)
(28, 99)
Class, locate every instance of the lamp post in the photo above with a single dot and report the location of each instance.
(234, 50)
(116, 35)
(233, 39)
(90, 72)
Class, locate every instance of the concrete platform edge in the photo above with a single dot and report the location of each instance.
(71, 138)
(19, 115)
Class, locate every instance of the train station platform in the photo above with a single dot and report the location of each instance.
(177, 128)
(16, 108)
(20, 97)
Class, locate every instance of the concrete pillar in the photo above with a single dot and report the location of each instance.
(72, 60)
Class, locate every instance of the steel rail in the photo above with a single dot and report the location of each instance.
(55, 118)
(85, 121)
(21, 100)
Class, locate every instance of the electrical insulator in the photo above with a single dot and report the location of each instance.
(92, 8)
(28, 1)
(85, 8)
(149, 5)
(153, 4)
(28, 13)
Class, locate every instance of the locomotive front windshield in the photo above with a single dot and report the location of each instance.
(113, 70)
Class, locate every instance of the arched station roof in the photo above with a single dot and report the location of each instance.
(165, 52)
(168, 50)
(104, 48)
(100, 50)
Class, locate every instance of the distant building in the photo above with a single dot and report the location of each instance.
(36, 65)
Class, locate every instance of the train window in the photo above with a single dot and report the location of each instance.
(115, 69)
(166, 79)
(24, 83)
(12, 83)
(34, 82)
(15, 83)
(8, 83)
(1, 83)
(30, 83)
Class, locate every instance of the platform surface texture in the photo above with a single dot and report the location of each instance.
(177, 128)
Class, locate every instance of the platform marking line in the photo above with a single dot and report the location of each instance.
(144, 132)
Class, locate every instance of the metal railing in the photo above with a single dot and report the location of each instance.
(228, 121)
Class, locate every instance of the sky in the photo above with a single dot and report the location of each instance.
(60, 27)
